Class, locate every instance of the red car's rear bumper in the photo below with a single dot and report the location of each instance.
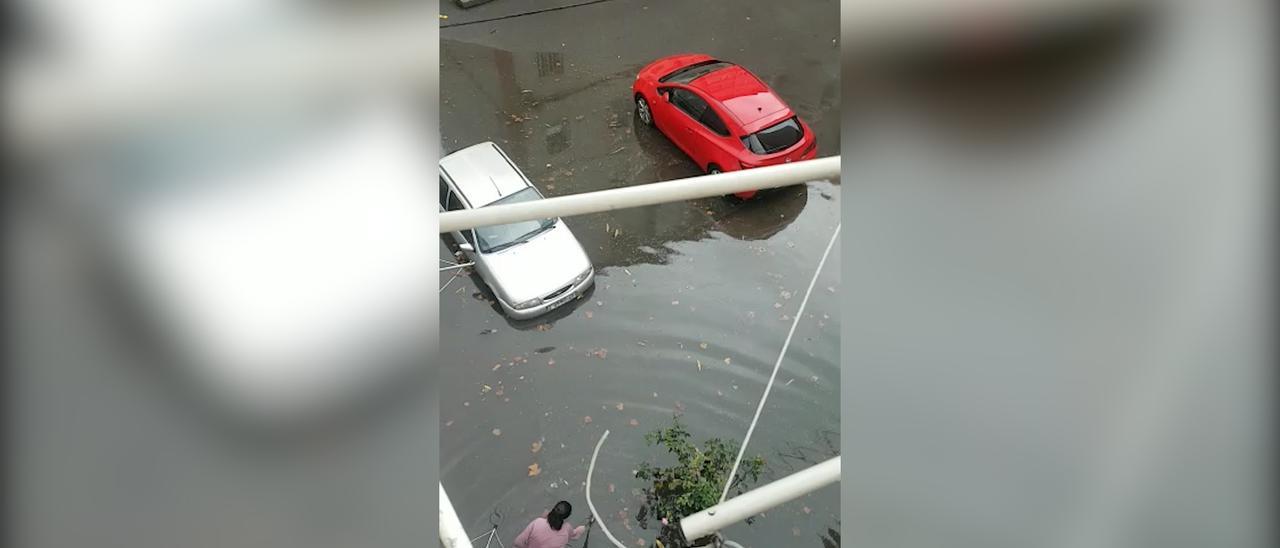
(811, 154)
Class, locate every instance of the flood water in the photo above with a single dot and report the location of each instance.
(692, 301)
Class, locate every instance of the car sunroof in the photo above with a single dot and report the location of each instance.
(694, 71)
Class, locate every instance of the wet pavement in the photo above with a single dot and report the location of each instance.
(692, 300)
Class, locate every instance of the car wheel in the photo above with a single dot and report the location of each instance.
(643, 111)
(713, 170)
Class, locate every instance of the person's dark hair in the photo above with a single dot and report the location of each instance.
(557, 515)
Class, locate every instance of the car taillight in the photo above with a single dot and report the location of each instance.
(808, 149)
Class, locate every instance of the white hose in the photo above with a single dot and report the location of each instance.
(776, 365)
(592, 506)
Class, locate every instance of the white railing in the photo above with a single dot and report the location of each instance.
(760, 499)
(677, 190)
(452, 534)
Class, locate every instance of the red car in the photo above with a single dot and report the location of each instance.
(720, 114)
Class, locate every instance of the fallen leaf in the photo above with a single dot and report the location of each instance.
(806, 510)
(619, 406)
(699, 365)
(486, 389)
(497, 431)
(534, 470)
(586, 419)
(495, 368)
(498, 392)
(633, 422)
(544, 327)
(537, 446)
(702, 346)
(448, 423)
(610, 487)
(727, 360)
(551, 362)
(673, 303)
(589, 314)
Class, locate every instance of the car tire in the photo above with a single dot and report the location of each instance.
(644, 111)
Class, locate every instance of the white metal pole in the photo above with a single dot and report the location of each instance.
(760, 499)
(452, 535)
(704, 186)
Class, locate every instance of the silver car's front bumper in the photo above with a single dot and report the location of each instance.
(569, 296)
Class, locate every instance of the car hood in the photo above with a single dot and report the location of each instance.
(535, 268)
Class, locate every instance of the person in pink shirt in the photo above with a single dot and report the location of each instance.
(551, 530)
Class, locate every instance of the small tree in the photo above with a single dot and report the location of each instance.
(694, 483)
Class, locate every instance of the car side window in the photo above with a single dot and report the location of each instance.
(713, 122)
(685, 100)
(454, 203)
(444, 193)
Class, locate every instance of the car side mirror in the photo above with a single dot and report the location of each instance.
(466, 247)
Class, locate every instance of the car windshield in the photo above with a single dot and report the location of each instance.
(774, 138)
(694, 71)
(497, 238)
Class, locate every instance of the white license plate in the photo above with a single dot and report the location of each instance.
(557, 304)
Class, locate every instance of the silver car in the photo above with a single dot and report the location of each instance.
(533, 267)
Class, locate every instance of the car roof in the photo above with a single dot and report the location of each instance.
(483, 173)
(743, 95)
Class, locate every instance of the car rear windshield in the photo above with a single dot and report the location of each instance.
(774, 138)
(497, 238)
(694, 71)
